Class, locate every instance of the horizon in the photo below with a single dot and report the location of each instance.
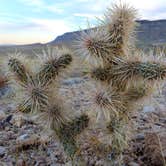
(41, 21)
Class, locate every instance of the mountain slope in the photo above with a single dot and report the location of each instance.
(148, 32)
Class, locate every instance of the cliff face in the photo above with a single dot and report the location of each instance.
(152, 32)
(148, 32)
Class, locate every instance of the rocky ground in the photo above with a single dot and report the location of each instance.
(24, 143)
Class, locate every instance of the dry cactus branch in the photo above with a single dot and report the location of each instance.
(121, 73)
(68, 132)
(50, 70)
(19, 70)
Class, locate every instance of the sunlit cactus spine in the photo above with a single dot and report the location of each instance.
(35, 85)
(120, 24)
(111, 39)
(19, 70)
(123, 72)
(125, 76)
(54, 63)
(35, 96)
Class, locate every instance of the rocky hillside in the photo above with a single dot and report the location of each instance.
(148, 33)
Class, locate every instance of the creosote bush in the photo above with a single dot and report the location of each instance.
(126, 77)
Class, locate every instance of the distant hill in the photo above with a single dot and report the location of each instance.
(148, 33)
(27, 49)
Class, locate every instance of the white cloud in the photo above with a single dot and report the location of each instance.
(146, 4)
(54, 9)
(94, 5)
(52, 25)
(147, 9)
(32, 2)
(32, 30)
(40, 5)
(87, 15)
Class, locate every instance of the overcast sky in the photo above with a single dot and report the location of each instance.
(31, 21)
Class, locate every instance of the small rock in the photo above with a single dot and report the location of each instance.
(162, 120)
(21, 162)
(18, 120)
(41, 161)
(140, 137)
(5, 91)
(72, 81)
(2, 115)
(7, 128)
(2, 151)
(22, 137)
(11, 107)
(144, 117)
(133, 164)
(162, 111)
(148, 109)
(8, 118)
(99, 163)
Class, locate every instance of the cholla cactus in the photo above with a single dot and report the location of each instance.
(16, 66)
(54, 62)
(113, 39)
(126, 77)
(39, 95)
(35, 96)
(69, 131)
(35, 86)
(66, 125)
